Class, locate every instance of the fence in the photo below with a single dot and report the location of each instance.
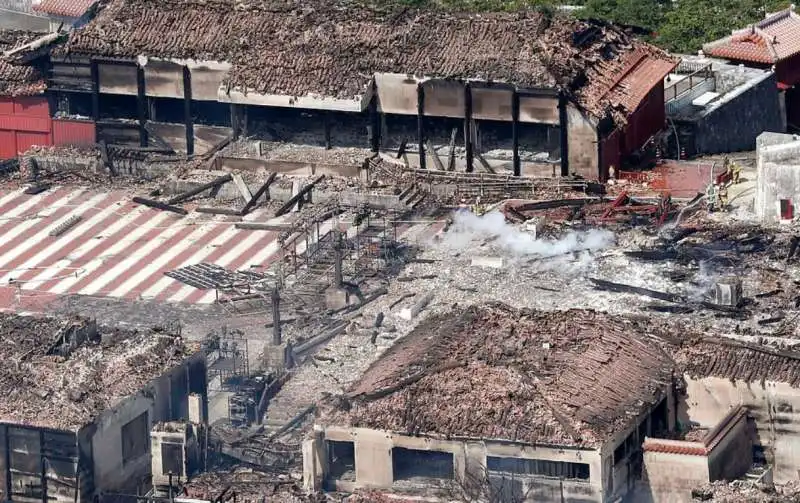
(696, 74)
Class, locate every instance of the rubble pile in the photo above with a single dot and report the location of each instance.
(744, 491)
(49, 386)
(509, 366)
(18, 79)
(248, 486)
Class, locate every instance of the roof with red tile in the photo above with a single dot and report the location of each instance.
(769, 41)
(641, 76)
(66, 8)
(15, 79)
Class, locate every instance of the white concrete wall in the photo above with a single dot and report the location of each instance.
(162, 79)
(778, 175)
(373, 459)
(582, 144)
(117, 79)
(397, 94)
(774, 406)
(672, 477)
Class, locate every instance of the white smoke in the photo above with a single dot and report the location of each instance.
(702, 283)
(468, 227)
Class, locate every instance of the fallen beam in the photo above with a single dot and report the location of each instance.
(258, 226)
(556, 203)
(484, 163)
(451, 156)
(218, 211)
(210, 185)
(300, 194)
(263, 189)
(159, 205)
(434, 156)
(316, 341)
(244, 190)
(622, 288)
(37, 189)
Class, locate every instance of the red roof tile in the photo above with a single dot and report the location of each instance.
(66, 8)
(772, 39)
(675, 447)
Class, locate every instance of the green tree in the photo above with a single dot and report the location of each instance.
(691, 23)
(647, 14)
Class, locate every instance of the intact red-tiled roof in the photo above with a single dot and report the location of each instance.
(66, 8)
(772, 39)
(331, 48)
(675, 447)
(15, 79)
(569, 378)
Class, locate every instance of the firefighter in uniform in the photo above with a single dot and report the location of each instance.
(723, 197)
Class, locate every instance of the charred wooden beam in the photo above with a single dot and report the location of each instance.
(262, 226)
(193, 192)
(158, 140)
(468, 125)
(300, 194)
(436, 161)
(37, 189)
(451, 154)
(159, 205)
(187, 110)
(218, 211)
(235, 124)
(484, 164)
(261, 191)
(515, 133)
(421, 124)
(375, 125)
(623, 288)
(276, 317)
(563, 131)
(106, 158)
(95, 77)
(326, 122)
(141, 105)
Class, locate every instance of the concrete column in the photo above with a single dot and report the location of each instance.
(187, 110)
(373, 450)
(421, 124)
(468, 125)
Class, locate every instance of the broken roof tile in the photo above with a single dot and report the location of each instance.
(566, 378)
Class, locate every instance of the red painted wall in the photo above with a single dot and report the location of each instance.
(73, 132)
(788, 71)
(645, 121)
(24, 122)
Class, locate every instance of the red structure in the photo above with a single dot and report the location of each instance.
(772, 42)
(24, 122)
(640, 88)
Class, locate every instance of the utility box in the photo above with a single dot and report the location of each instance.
(176, 453)
(728, 292)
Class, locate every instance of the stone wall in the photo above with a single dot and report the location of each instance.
(734, 122)
(777, 174)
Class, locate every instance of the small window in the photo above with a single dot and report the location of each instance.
(545, 468)
(786, 209)
(135, 438)
(411, 463)
(342, 460)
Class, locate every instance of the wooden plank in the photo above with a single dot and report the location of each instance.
(295, 198)
(218, 211)
(253, 200)
(244, 190)
(259, 226)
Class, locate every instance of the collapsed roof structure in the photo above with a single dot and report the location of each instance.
(18, 79)
(570, 378)
(332, 49)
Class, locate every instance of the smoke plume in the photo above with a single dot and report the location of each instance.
(468, 227)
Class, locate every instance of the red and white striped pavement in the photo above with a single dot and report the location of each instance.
(118, 249)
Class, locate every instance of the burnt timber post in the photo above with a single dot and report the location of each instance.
(95, 76)
(563, 129)
(187, 110)
(338, 279)
(276, 317)
(235, 125)
(421, 124)
(141, 105)
(468, 125)
(375, 125)
(515, 131)
(326, 119)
